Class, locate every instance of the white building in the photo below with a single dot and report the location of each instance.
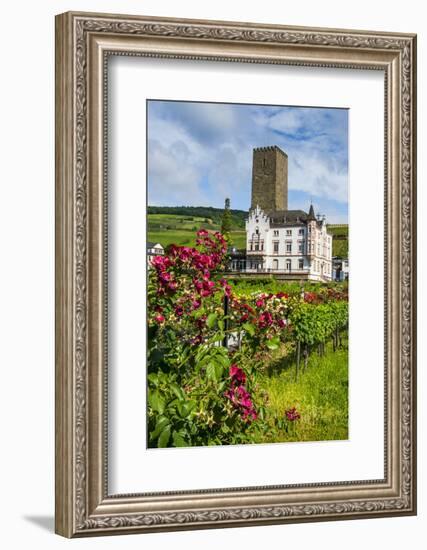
(289, 242)
(154, 249)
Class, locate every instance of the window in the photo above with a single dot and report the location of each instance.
(288, 265)
(300, 263)
(300, 246)
(276, 246)
(301, 231)
(289, 232)
(276, 233)
(289, 247)
(256, 246)
(276, 264)
(257, 231)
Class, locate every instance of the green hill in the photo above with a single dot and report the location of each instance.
(340, 240)
(179, 224)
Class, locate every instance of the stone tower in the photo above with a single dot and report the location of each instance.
(270, 179)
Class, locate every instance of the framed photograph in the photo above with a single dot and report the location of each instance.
(235, 274)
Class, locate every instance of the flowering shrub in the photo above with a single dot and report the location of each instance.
(200, 391)
(239, 396)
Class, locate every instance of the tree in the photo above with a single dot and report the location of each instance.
(226, 219)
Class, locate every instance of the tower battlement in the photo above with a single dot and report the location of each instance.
(269, 179)
(271, 148)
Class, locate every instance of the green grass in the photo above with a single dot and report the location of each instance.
(320, 395)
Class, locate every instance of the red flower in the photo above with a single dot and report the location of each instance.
(292, 414)
(237, 374)
(159, 318)
(265, 319)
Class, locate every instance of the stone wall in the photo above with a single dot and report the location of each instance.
(270, 179)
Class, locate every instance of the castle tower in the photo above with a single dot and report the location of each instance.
(270, 179)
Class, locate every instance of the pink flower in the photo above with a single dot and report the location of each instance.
(161, 262)
(179, 311)
(198, 284)
(226, 286)
(250, 415)
(159, 318)
(173, 285)
(165, 277)
(202, 233)
(184, 253)
(265, 319)
(237, 374)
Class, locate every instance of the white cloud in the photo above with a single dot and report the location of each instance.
(202, 153)
(172, 181)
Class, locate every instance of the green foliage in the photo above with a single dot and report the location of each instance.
(340, 240)
(249, 286)
(203, 393)
(226, 221)
(316, 323)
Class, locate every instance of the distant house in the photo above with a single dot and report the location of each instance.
(340, 269)
(154, 249)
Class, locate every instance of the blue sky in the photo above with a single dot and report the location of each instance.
(201, 153)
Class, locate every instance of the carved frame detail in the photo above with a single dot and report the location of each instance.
(83, 42)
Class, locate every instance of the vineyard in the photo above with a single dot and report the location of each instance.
(234, 362)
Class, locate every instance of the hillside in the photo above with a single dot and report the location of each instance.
(178, 225)
(238, 217)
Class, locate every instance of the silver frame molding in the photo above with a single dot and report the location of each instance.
(83, 43)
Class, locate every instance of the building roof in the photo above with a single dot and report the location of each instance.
(153, 245)
(281, 218)
(311, 215)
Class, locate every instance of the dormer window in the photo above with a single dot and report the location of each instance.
(257, 231)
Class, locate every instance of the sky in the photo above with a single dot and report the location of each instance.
(201, 153)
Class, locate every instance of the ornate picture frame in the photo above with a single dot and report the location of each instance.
(84, 42)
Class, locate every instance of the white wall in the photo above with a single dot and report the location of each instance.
(27, 267)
